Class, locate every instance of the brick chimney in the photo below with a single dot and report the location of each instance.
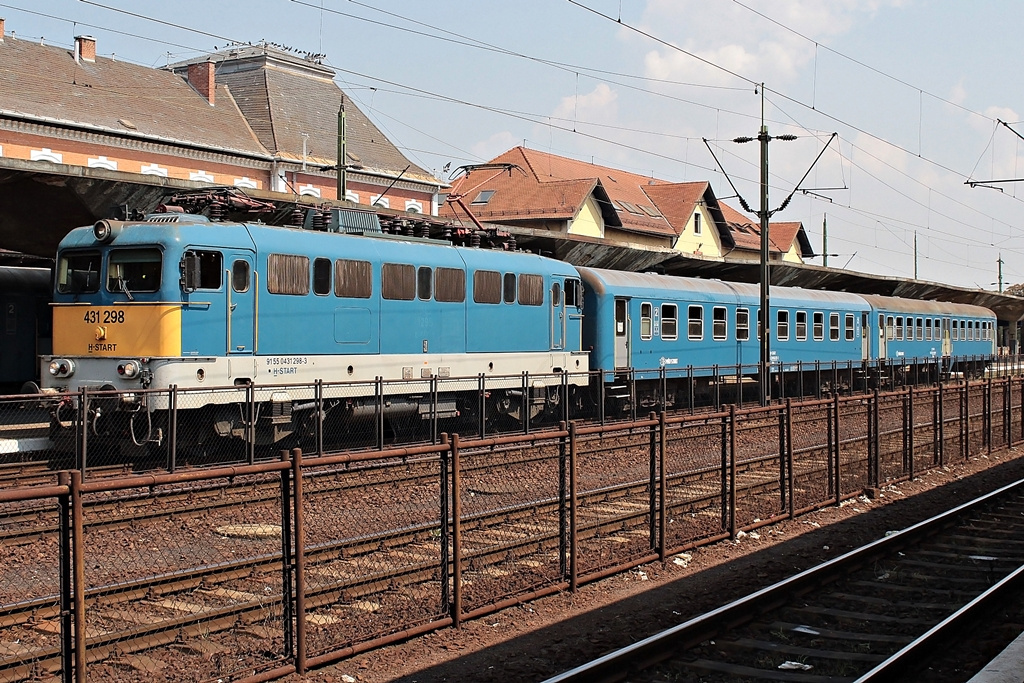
(200, 77)
(85, 48)
(1, 29)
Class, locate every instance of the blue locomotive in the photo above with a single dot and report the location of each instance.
(178, 300)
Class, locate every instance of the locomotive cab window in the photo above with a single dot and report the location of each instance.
(645, 321)
(573, 293)
(450, 285)
(134, 270)
(509, 288)
(669, 321)
(240, 276)
(782, 318)
(719, 326)
(353, 279)
(801, 325)
(742, 324)
(78, 272)
(321, 276)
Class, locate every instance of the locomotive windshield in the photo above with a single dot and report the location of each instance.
(134, 270)
(78, 272)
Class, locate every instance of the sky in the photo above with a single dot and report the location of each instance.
(914, 89)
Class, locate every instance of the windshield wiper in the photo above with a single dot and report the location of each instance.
(123, 285)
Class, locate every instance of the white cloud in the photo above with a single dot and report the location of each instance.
(495, 145)
(598, 105)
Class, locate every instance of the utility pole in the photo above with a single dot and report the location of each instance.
(824, 240)
(342, 161)
(1000, 264)
(915, 254)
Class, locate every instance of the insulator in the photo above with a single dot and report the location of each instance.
(448, 233)
(424, 229)
(217, 211)
(298, 217)
(474, 240)
(512, 243)
(407, 228)
(318, 220)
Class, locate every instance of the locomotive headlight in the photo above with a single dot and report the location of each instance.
(61, 367)
(129, 369)
(105, 231)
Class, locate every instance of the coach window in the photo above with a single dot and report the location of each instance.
(963, 330)
(973, 325)
(353, 279)
(450, 285)
(742, 324)
(833, 327)
(849, 327)
(398, 282)
(927, 329)
(695, 330)
(669, 321)
(510, 288)
(890, 329)
(801, 326)
(937, 327)
(240, 275)
(954, 331)
(424, 283)
(645, 321)
(487, 287)
(818, 329)
(782, 318)
(719, 325)
(899, 328)
(288, 274)
(134, 270)
(321, 276)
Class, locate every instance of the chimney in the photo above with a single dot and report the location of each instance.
(200, 77)
(85, 48)
(1, 29)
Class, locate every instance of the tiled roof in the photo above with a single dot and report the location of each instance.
(555, 187)
(45, 82)
(284, 96)
(781, 235)
(678, 202)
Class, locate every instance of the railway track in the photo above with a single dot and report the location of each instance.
(865, 616)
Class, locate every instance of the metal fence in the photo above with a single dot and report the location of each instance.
(259, 570)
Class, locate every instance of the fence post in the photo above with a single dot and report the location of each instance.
(573, 538)
(563, 504)
(298, 506)
(831, 448)
(287, 560)
(689, 385)
(728, 424)
(718, 387)
(873, 461)
(527, 402)
(481, 405)
(789, 457)
(64, 538)
(652, 479)
(783, 417)
(78, 571)
(732, 472)
(988, 412)
(444, 542)
(1007, 412)
(83, 430)
(319, 391)
(378, 390)
(839, 449)
(456, 533)
(172, 428)
(910, 431)
(942, 423)
(433, 409)
(250, 423)
(663, 487)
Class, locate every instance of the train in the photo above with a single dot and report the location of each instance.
(179, 301)
(27, 329)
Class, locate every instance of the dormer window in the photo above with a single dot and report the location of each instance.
(696, 224)
(483, 197)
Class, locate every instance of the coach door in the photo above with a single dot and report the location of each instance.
(621, 333)
(557, 317)
(947, 343)
(881, 335)
(241, 302)
(865, 338)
